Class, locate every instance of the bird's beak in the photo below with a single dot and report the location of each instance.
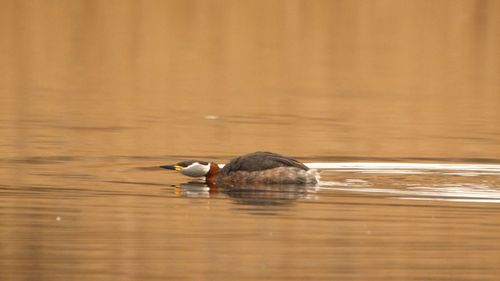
(172, 167)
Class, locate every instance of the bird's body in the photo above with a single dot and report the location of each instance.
(253, 168)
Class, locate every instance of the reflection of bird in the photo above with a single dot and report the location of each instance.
(253, 168)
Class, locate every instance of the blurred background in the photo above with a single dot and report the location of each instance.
(95, 94)
(220, 78)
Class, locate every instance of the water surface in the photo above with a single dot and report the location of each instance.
(395, 101)
(366, 220)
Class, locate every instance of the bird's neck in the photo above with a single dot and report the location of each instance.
(212, 173)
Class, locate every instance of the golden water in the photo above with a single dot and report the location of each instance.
(95, 94)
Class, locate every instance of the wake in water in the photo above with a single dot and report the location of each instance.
(479, 183)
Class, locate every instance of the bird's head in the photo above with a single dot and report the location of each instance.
(191, 168)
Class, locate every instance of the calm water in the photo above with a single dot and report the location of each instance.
(396, 102)
(116, 218)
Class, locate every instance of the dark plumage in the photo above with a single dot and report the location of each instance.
(189, 162)
(259, 161)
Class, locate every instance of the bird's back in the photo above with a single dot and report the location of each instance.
(260, 161)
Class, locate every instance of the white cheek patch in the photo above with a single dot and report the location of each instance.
(196, 170)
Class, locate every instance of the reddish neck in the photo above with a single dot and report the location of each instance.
(212, 173)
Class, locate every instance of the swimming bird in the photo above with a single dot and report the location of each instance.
(254, 168)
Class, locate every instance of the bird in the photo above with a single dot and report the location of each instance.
(259, 167)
